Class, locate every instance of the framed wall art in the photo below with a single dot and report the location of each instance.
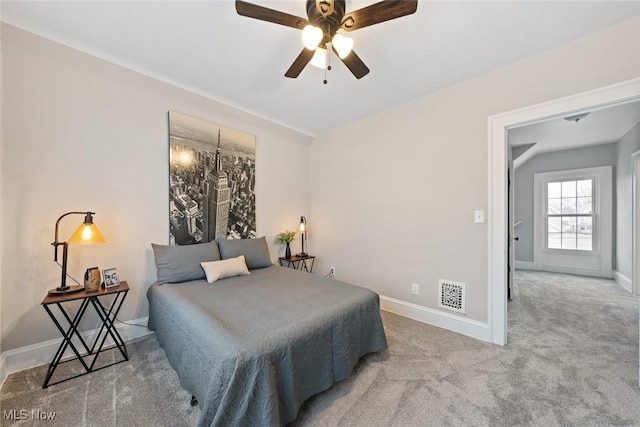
(212, 177)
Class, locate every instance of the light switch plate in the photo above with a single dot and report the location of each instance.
(478, 217)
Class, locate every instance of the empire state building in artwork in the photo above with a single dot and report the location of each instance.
(217, 200)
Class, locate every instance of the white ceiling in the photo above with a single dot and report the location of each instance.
(205, 47)
(602, 126)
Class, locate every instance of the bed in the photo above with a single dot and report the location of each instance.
(252, 348)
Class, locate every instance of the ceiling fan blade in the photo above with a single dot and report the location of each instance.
(377, 13)
(298, 65)
(354, 64)
(270, 15)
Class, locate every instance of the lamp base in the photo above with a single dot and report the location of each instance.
(302, 254)
(66, 290)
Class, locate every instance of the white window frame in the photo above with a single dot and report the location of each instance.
(601, 227)
(592, 215)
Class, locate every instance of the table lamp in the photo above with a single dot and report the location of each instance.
(303, 231)
(86, 234)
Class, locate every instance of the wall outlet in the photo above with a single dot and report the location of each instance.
(415, 289)
(332, 271)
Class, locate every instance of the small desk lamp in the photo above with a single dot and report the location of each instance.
(303, 231)
(86, 234)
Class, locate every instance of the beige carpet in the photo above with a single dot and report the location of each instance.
(572, 360)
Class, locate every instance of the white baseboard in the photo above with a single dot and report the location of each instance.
(577, 271)
(441, 319)
(42, 353)
(3, 369)
(525, 265)
(623, 281)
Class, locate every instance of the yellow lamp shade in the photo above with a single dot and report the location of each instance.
(86, 234)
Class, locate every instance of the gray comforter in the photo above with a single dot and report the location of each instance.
(253, 348)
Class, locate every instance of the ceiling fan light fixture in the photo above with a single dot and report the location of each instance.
(319, 59)
(311, 36)
(324, 19)
(342, 44)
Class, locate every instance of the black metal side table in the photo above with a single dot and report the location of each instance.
(107, 317)
(298, 262)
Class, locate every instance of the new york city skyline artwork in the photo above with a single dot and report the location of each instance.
(211, 181)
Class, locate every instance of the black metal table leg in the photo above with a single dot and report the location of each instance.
(107, 328)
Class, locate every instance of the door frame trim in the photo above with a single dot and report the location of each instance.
(635, 223)
(497, 184)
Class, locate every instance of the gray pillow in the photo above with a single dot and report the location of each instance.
(182, 263)
(255, 251)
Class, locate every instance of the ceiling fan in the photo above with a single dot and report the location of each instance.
(325, 18)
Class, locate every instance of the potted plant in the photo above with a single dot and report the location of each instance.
(286, 237)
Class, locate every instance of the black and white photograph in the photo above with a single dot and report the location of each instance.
(212, 177)
(110, 277)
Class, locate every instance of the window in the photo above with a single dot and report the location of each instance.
(573, 221)
(570, 215)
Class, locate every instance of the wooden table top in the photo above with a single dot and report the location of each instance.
(52, 299)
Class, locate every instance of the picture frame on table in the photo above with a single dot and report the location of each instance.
(110, 278)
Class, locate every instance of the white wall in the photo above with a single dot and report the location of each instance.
(392, 196)
(629, 143)
(83, 134)
(579, 158)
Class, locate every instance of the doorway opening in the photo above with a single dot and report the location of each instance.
(498, 218)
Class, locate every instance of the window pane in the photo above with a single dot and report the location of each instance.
(554, 206)
(585, 242)
(568, 206)
(568, 241)
(585, 234)
(554, 225)
(555, 241)
(584, 187)
(569, 189)
(584, 224)
(554, 233)
(584, 205)
(569, 224)
(553, 190)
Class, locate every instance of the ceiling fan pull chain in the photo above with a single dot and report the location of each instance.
(328, 67)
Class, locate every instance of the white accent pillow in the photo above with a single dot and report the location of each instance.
(216, 270)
